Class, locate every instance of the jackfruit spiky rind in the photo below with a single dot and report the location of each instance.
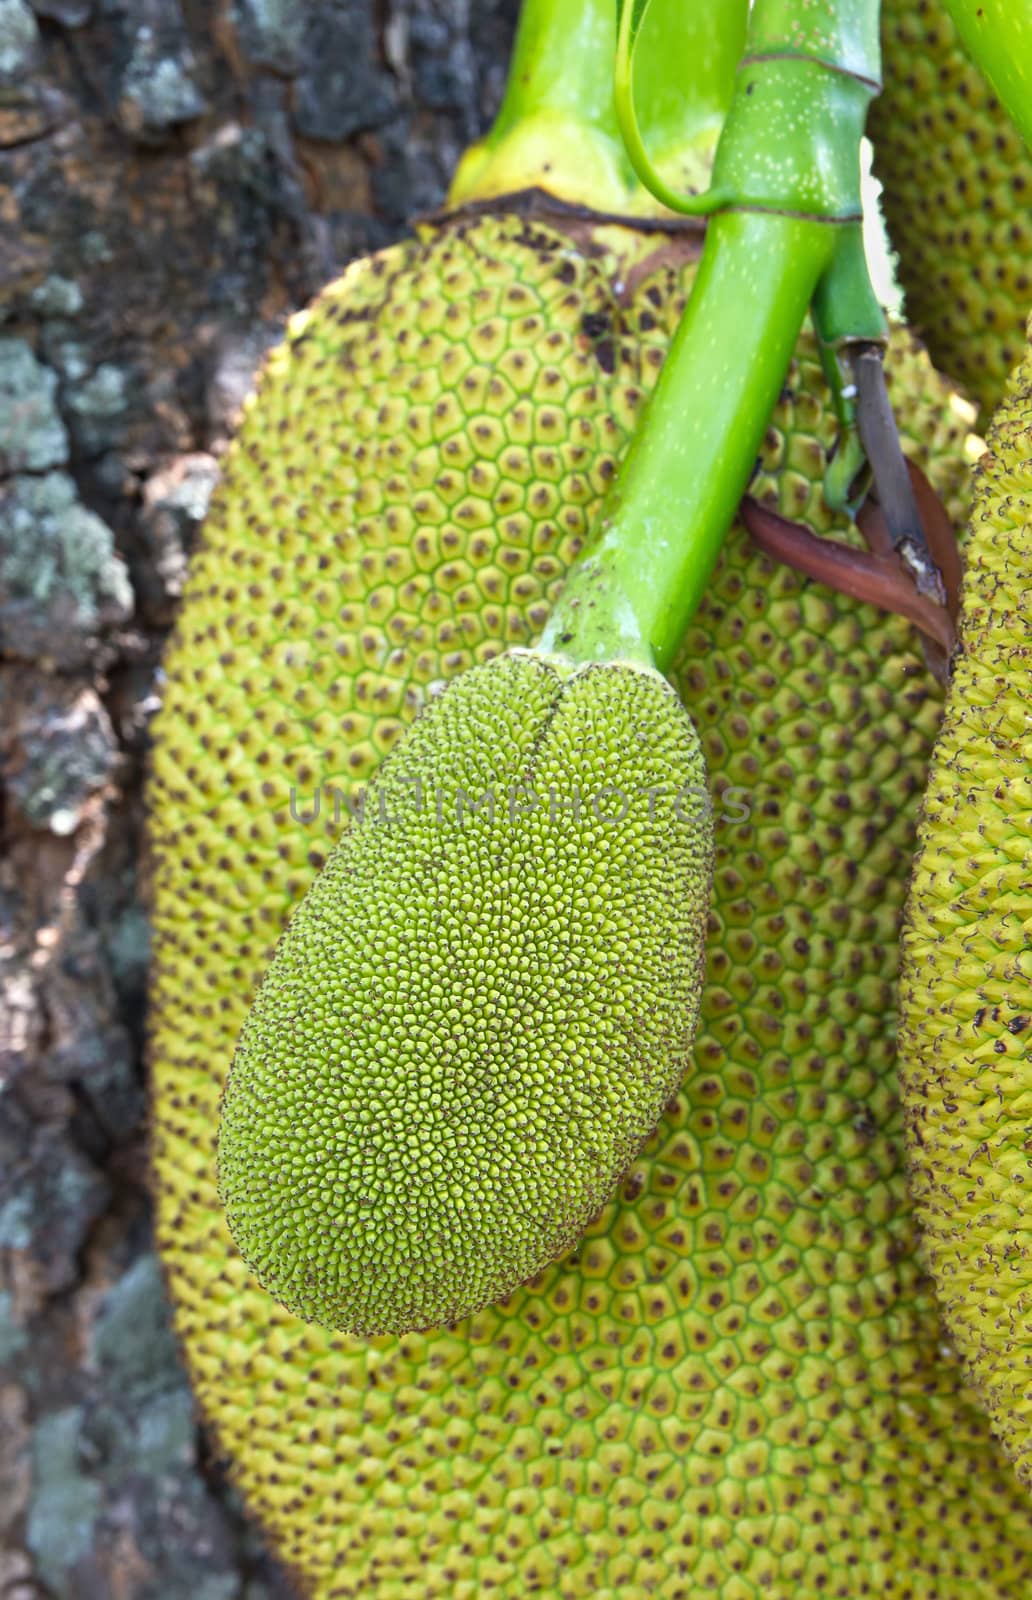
(735, 1386)
(482, 1005)
(957, 182)
(966, 983)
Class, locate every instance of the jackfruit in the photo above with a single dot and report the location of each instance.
(966, 989)
(483, 1003)
(734, 1386)
(957, 182)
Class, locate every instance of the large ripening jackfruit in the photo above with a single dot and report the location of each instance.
(957, 186)
(483, 1003)
(966, 991)
(734, 1386)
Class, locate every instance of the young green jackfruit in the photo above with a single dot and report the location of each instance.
(957, 183)
(482, 1005)
(966, 986)
(735, 1386)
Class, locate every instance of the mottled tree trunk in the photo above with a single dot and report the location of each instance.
(175, 177)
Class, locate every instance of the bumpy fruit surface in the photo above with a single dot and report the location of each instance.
(481, 1006)
(957, 187)
(736, 1386)
(966, 989)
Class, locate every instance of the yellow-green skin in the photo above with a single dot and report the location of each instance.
(957, 192)
(736, 1386)
(966, 984)
(481, 1006)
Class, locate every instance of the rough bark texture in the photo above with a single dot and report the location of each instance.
(175, 177)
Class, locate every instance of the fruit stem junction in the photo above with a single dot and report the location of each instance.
(557, 128)
(789, 158)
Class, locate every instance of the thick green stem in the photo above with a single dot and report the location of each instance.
(561, 61)
(675, 496)
(557, 126)
(792, 139)
(998, 35)
(791, 148)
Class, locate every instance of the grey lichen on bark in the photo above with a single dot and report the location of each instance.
(176, 177)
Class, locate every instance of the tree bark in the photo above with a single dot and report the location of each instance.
(175, 177)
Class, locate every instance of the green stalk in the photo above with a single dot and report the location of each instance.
(847, 314)
(557, 126)
(674, 498)
(790, 155)
(998, 36)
